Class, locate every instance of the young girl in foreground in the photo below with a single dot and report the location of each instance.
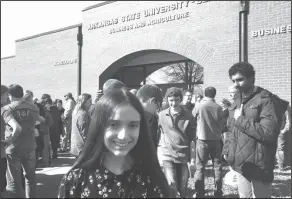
(119, 158)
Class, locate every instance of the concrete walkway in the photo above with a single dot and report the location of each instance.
(49, 178)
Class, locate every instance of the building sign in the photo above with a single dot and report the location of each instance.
(65, 62)
(117, 25)
(272, 31)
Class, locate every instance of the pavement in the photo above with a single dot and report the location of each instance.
(49, 178)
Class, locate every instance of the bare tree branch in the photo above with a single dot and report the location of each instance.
(177, 73)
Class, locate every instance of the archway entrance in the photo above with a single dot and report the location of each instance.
(163, 68)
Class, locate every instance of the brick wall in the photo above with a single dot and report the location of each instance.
(271, 54)
(208, 36)
(33, 66)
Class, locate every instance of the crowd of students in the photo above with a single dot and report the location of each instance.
(131, 144)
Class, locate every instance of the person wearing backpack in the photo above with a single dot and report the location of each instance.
(253, 124)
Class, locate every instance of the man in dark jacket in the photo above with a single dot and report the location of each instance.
(254, 125)
(150, 97)
(56, 129)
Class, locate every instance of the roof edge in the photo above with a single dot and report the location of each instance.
(97, 5)
(8, 57)
(49, 32)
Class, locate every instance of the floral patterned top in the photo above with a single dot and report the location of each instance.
(102, 183)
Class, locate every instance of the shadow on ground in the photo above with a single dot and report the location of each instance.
(281, 186)
(48, 185)
(49, 178)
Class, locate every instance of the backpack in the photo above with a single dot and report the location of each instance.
(281, 105)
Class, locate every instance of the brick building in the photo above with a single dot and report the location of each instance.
(130, 40)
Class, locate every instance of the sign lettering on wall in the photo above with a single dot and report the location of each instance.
(272, 31)
(65, 62)
(144, 15)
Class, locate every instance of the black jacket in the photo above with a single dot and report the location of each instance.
(251, 147)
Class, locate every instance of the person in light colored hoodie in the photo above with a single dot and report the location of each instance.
(69, 107)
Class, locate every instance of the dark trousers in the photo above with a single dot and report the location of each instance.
(39, 149)
(3, 167)
(55, 143)
(15, 163)
(204, 149)
(177, 176)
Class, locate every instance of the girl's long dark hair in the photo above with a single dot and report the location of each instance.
(143, 153)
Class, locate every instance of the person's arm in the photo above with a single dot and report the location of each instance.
(16, 130)
(222, 120)
(10, 120)
(192, 128)
(41, 119)
(227, 139)
(160, 130)
(265, 129)
(195, 116)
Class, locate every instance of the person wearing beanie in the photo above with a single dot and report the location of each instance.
(178, 129)
(21, 153)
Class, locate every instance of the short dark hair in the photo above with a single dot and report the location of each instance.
(86, 96)
(58, 101)
(210, 92)
(44, 96)
(187, 91)
(15, 90)
(112, 84)
(47, 101)
(4, 89)
(148, 91)
(244, 68)
(173, 91)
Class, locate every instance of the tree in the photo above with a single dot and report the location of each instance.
(188, 72)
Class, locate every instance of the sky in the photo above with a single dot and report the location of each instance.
(21, 19)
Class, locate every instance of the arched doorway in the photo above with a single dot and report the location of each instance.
(134, 70)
